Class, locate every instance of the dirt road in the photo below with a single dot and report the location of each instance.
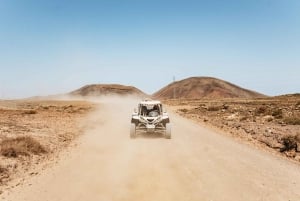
(196, 164)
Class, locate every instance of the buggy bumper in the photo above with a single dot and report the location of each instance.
(150, 128)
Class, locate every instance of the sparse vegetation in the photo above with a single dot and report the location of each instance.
(213, 108)
(30, 112)
(3, 174)
(273, 121)
(184, 110)
(244, 118)
(2, 169)
(277, 113)
(20, 123)
(292, 120)
(21, 146)
(290, 142)
(262, 110)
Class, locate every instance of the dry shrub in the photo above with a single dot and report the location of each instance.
(184, 110)
(244, 118)
(21, 146)
(214, 108)
(45, 107)
(2, 170)
(290, 142)
(277, 113)
(292, 120)
(3, 174)
(261, 110)
(30, 112)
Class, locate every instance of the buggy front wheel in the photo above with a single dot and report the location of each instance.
(132, 130)
(168, 131)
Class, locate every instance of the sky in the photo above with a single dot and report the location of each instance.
(53, 47)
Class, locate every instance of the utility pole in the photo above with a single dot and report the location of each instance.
(174, 89)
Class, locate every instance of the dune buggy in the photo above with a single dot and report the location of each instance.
(150, 118)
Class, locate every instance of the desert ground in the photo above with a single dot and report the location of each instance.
(103, 163)
(35, 132)
(271, 123)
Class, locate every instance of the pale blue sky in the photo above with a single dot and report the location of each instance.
(50, 47)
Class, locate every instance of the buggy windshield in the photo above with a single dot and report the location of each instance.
(150, 111)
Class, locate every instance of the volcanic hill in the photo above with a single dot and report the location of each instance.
(204, 87)
(107, 89)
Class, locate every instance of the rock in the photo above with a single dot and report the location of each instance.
(268, 132)
(297, 158)
(291, 154)
(268, 118)
(282, 124)
(231, 117)
(4, 129)
(277, 145)
(252, 132)
(298, 147)
(270, 142)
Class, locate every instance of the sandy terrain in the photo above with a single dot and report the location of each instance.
(32, 133)
(196, 164)
(269, 123)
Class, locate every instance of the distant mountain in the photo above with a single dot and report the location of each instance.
(107, 89)
(204, 87)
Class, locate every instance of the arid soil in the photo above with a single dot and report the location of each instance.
(270, 123)
(198, 163)
(34, 132)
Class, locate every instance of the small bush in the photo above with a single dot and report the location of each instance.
(290, 142)
(244, 118)
(261, 110)
(45, 107)
(30, 112)
(21, 146)
(292, 120)
(2, 170)
(184, 110)
(213, 108)
(225, 107)
(277, 113)
(3, 175)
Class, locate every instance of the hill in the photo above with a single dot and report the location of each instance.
(107, 89)
(204, 87)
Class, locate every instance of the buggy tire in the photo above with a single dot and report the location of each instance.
(168, 131)
(132, 130)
